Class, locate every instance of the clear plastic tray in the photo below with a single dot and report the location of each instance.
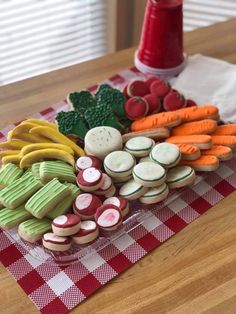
(138, 214)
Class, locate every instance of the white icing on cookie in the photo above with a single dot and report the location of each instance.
(165, 153)
(178, 173)
(83, 201)
(139, 143)
(149, 171)
(130, 187)
(109, 218)
(60, 220)
(88, 225)
(112, 200)
(53, 237)
(91, 175)
(155, 191)
(84, 162)
(106, 182)
(119, 161)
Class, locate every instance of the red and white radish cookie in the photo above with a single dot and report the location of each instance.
(66, 225)
(137, 88)
(53, 242)
(89, 179)
(88, 161)
(88, 232)
(136, 108)
(111, 191)
(85, 205)
(120, 202)
(160, 88)
(151, 79)
(174, 101)
(106, 186)
(108, 217)
(154, 103)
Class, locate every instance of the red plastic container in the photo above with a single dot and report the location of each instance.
(160, 50)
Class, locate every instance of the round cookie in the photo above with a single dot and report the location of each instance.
(89, 179)
(119, 164)
(106, 185)
(120, 202)
(108, 217)
(102, 140)
(53, 242)
(88, 233)
(139, 146)
(85, 205)
(145, 159)
(66, 225)
(111, 191)
(180, 176)
(149, 174)
(166, 154)
(155, 195)
(132, 190)
(85, 162)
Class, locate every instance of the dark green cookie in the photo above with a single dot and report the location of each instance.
(101, 88)
(70, 123)
(82, 100)
(114, 98)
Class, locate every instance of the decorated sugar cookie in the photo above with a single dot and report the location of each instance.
(66, 225)
(106, 185)
(132, 190)
(166, 154)
(108, 217)
(149, 174)
(180, 176)
(119, 164)
(88, 233)
(85, 162)
(155, 195)
(53, 242)
(120, 202)
(85, 205)
(90, 179)
(139, 146)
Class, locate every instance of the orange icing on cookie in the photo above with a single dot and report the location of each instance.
(189, 139)
(197, 127)
(198, 113)
(225, 140)
(218, 151)
(204, 160)
(227, 129)
(187, 149)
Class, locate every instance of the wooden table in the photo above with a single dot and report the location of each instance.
(194, 271)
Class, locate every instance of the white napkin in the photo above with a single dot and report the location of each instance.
(210, 81)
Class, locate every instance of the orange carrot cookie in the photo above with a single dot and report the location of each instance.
(205, 126)
(204, 163)
(198, 113)
(158, 120)
(225, 140)
(189, 152)
(225, 129)
(221, 152)
(152, 133)
(201, 141)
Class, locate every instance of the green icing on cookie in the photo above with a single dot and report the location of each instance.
(46, 198)
(35, 170)
(80, 101)
(114, 98)
(34, 227)
(8, 174)
(57, 169)
(10, 218)
(64, 205)
(101, 88)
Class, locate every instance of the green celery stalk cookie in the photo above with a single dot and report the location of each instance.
(33, 229)
(10, 218)
(8, 174)
(47, 198)
(63, 207)
(57, 169)
(35, 170)
(20, 191)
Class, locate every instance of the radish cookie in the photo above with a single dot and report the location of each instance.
(180, 176)
(155, 195)
(137, 88)
(108, 217)
(154, 103)
(132, 190)
(136, 108)
(88, 232)
(85, 162)
(166, 155)
(53, 242)
(106, 185)
(149, 174)
(111, 191)
(102, 140)
(66, 225)
(85, 205)
(120, 202)
(119, 164)
(89, 179)
(139, 146)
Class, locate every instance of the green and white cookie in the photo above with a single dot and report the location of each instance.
(139, 146)
(119, 164)
(166, 154)
(155, 195)
(132, 190)
(145, 159)
(180, 176)
(33, 229)
(10, 218)
(149, 174)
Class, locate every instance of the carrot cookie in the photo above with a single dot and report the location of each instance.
(204, 163)
(155, 195)
(119, 164)
(201, 141)
(166, 154)
(221, 152)
(225, 129)
(85, 205)
(108, 217)
(53, 242)
(139, 146)
(198, 113)
(149, 174)
(88, 233)
(189, 152)
(205, 126)
(224, 140)
(180, 176)
(155, 134)
(132, 190)
(90, 179)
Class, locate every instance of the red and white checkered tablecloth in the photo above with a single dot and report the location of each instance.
(58, 289)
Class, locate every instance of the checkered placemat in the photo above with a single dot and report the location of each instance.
(57, 289)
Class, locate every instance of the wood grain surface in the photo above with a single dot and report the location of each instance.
(194, 271)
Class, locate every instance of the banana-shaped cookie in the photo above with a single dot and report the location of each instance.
(37, 146)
